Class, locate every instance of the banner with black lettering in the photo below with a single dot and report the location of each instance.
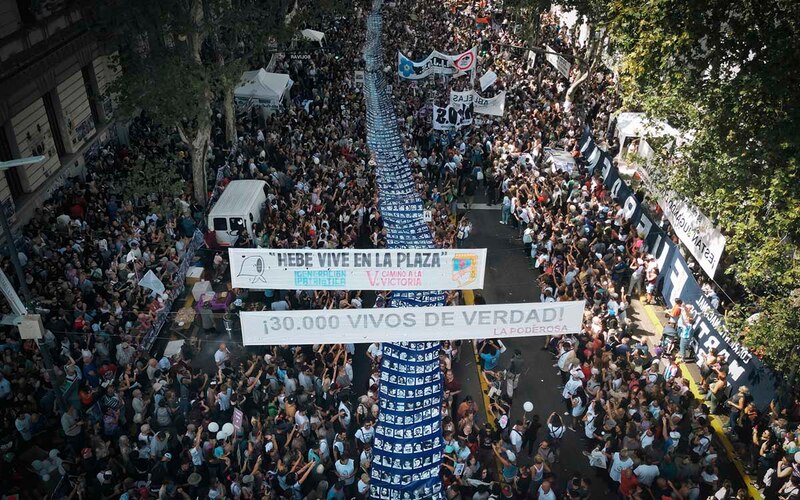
(496, 321)
(359, 269)
(494, 106)
(452, 117)
(677, 281)
(698, 234)
(437, 63)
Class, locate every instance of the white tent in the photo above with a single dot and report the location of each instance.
(630, 125)
(313, 35)
(263, 89)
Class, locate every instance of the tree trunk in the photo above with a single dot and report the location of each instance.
(589, 64)
(230, 115)
(198, 151)
(574, 87)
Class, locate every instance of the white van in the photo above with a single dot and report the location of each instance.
(239, 207)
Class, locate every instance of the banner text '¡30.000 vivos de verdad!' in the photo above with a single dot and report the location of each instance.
(412, 324)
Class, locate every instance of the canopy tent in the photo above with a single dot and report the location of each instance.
(632, 125)
(313, 35)
(263, 89)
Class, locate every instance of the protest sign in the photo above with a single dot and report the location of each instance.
(562, 65)
(452, 117)
(437, 63)
(705, 242)
(494, 106)
(487, 80)
(356, 269)
(238, 417)
(491, 321)
(531, 59)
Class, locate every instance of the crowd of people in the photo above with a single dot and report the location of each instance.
(297, 421)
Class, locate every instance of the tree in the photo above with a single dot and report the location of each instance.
(178, 57)
(156, 180)
(726, 73)
(586, 56)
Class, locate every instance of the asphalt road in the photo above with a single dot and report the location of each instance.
(509, 279)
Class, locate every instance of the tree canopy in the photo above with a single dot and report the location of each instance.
(727, 73)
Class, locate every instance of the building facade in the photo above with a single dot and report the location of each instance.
(55, 75)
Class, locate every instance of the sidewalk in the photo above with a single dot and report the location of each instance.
(649, 322)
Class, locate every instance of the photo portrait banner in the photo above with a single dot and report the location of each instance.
(490, 321)
(437, 63)
(494, 106)
(677, 281)
(408, 446)
(357, 269)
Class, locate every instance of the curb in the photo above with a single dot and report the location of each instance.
(469, 300)
(716, 422)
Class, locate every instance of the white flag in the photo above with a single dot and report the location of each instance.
(151, 281)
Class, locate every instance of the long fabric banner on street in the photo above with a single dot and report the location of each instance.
(676, 281)
(494, 106)
(408, 445)
(352, 269)
(437, 63)
(492, 321)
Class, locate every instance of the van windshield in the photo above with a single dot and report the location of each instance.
(220, 224)
(236, 223)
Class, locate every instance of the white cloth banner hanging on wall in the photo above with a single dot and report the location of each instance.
(452, 117)
(437, 63)
(355, 269)
(698, 234)
(491, 321)
(494, 106)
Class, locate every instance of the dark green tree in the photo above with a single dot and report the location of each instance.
(727, 73)
(179, 57)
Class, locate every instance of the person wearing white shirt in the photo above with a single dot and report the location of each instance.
(515, 436)
(646, 473)
(374, 352)
(221, 356)
(366, 433)
(620, 462)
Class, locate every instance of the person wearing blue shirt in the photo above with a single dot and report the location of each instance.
(490, 354)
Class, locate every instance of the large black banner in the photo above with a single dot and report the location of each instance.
(676, 280)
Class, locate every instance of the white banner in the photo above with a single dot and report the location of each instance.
(487, 80)
(531, 59)
(437, 63)
(698, 234)
(452, 117)
(355, 269)
(493, 321)
(558, 62)
(494, 106)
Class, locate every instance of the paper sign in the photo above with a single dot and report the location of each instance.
(488, 80)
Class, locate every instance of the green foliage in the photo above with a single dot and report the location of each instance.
(727, 73)
(774, 335)
(153, 180)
